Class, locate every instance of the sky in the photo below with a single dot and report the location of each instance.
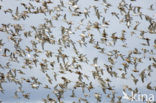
(115, 26)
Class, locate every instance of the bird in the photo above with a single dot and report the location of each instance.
(76, 51)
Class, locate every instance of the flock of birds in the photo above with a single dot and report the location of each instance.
(77, 51)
